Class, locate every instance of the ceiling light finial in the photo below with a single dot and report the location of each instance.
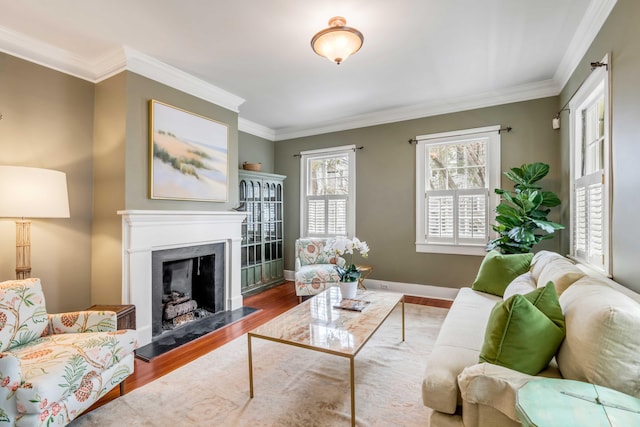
(337, 42)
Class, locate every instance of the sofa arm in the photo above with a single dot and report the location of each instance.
(10, 379)
(492, 385)
(83, 321)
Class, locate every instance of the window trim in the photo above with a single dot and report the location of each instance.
(584, 95)
(305, 157)
(494, 173)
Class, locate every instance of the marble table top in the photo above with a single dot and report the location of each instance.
(317, 325)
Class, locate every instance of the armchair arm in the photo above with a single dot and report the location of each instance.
(493, 386)
(83, 321)
(10, 379)
(298, 264)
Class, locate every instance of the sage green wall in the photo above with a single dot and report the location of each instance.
(139, 91)
(385, 180)
(47, 122)
(254, 149)
(109, 145)
(127, 104)
(619, 36)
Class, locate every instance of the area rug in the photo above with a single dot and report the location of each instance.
(292, 386)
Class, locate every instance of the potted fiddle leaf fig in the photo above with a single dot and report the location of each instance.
(522, 213)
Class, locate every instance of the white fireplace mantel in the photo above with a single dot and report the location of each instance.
(145, 231)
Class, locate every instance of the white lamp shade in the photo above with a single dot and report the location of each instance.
(33, 193)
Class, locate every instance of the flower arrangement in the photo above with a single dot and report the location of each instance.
(341, 246)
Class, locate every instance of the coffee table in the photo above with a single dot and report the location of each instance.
(316, 325)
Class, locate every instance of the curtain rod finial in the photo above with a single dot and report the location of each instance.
(598, 64)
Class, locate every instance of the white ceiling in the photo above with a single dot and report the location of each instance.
(420, 57)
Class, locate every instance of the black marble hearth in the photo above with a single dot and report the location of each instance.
(188, 332)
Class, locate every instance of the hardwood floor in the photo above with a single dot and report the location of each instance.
(270, 303)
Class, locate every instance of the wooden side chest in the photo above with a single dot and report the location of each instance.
(126, 314)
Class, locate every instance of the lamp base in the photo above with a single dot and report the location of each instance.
(23, 249)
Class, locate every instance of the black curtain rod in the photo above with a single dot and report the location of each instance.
(594, 65)
(506, 128)
(354, 150)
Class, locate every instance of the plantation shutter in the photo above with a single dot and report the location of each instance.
(472, 216)
(327, 215)
(457, 216)
(440, 216)
(589, 225)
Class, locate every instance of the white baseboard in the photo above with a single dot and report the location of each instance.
(426, 291)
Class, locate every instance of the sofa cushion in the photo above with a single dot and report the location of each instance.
(498, 270)
(525, 331)
(317, 273)
(522, 284)
(58, 365)
(23, 315)
(602, 343)
(457, 346)
(552, 267)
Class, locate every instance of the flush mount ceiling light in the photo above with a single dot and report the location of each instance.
(338, 41)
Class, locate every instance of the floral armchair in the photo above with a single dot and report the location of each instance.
(55, 366)
(315, 269)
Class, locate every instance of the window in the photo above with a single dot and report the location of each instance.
(328, 192)
(590, 179)
(456, 173)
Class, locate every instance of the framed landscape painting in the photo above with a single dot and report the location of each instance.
(188, 155)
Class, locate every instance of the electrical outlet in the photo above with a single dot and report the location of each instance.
(384, 286)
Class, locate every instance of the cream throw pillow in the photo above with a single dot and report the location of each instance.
(602, 343)
(552, 267)
(523, 284)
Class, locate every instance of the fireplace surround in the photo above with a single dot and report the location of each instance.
(146, 231)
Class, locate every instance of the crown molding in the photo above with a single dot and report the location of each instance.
(256, 129)
(45, 54)
(594, 18)
(514, 94)
(154, 69)
(111, 63)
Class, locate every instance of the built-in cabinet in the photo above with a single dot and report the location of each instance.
(262, 249)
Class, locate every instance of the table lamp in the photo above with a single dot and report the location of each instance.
(31, 193)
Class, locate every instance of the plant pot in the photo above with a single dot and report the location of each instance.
(348, 289)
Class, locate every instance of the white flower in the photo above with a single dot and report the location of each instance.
(342, 246)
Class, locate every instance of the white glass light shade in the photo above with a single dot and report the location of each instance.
(337, 42)
(33, 193)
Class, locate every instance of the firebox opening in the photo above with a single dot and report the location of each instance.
(188, 284)
(185, 295)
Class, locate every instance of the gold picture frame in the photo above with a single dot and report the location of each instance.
(188, 155)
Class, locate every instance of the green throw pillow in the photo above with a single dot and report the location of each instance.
(524, 331)
(546, 300)
(498, 270)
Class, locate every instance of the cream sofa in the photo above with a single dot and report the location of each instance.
(55, 366)
(601, 346)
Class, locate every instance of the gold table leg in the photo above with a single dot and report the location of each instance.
(365, 271)
(402, 300)
(353, 392)
(250, 367)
